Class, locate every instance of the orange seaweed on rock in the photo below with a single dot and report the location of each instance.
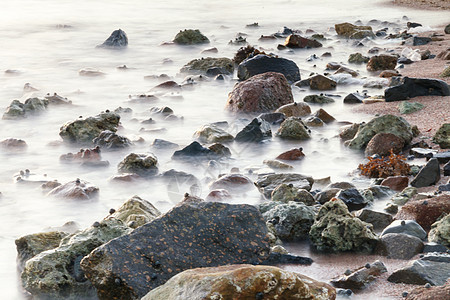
(393, 165)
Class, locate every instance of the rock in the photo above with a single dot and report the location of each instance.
(382, 62)
(202, 65)
(440, 231)
(409, 227)
(383, 143)
(111, 140)
(341, 185)
(432, 269)
(414, 87)
(447, 29)
(136, 212)
(273, 118)
(260, 93)
(314, 122)
(212, 134)
(409, 107)
(446, 72)
(141, 164)
(194, 150)
(324, 116)
(379, 220)
(85, 130)
(296, 109)
(320, 99)
(261, 63)
(91, 72)
(358, 58)
(348, 132)
(31, 106)
(399, 246)
(245, 52)
(13, 144)
(321, 83)
(292, 221)
(430, 293)
(77, 189)
(256, 131)
(218, 195)
(267, 183)
(387, 124)
(163, 144)
(442, 136)
(87, 157)
(360, 278)
(293, 154)
(293, 128)
(350, 31)
(117, 39)
(389, 74)
(326, 195)
(345, 70)
(428, 175)
(353, 98)
(425, 212)
(56, 99)
(233, 183)
(297, 41)
(352, 198)
(446, 169)
(404, 196)
(242, 282)
(191, 235)
(275, 164)
(220, 150)
(287, 192)
(417, 41)
(434, 247)
(442, 157)
(56, 274)
(335, 230)
(190, 37)
(396, 183)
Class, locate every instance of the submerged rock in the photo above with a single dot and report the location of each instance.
(117, 39)
(296, 109)
(241, 282)
(293, 128)
(13, 144)
(320, 99)
(360, 278)
(293, 154)
(136, 212)
(202, 65)
(414, 87)
(190, 37)
(212, 134)
(18, 110)
(194, 150)
(358, 58)
(297, 41)
(140, 164)
(111, 140)
(256, 131)
(77, 189)
(264, 63)
(267, 183)
(349, 30)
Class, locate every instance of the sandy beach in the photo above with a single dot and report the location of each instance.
(423, 4)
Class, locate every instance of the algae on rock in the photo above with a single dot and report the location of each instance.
(137, 211)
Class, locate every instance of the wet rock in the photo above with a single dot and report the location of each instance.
(13, 144)
(293, 128)
(345, 70)
(218, 195)
(442, 157)
(324, 116)
(287, 192)
(141, 164)
(428, 175)
(260, 93)
(260, 64)
(19, 110)
(379, 220)
(352, 198)
(212, 134)
(296, 109)
(425, 212)
(314, 122)
(446, 169)
(383, 143)
(422, 152)
(396, 183)
(440, 231)
(430, 293)
(117, 39)
(353, 98)
(217, 234)
(194, 150)
(56, 274)
(341, 185)
(91, 72)
(348, 132)
(243, 282)
(404, 196)
(56, 99)
(190, 37)
(382, 62)
(432, 269)
(335, 230)
(77, 189)
(321, 83)
(409, 107)
(320, 99)
(233, 183)
(111, 140)
(387, 124)
(163, 144)
(414, 87)
(256, 131)
(85, 130)
(409, 227)
(87, 157)
(360, 278)
(358, 58)
(136, 212)
(245, 52)
(326, 195)
(297, 41)
(446, 72)
(351, 31)
(389, 74)
(267, 183)
(220, 150)
(399, 246)
(442, 136)
(293, 154)
(275, 164)
(202, 65)
(273, 118)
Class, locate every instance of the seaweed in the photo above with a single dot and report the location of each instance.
(392, 165)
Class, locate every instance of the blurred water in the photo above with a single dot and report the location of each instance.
(48, 41)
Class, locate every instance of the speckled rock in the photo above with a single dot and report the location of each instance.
(379, 220)
(260, 93)
(442, 136)
(297, 41)
(320, 99)
(56, 273)
(360, 278)
(256, 131)
(190, 37)
(212, 134)
(428, 175)
(358, 58)
(293, 128)
(136, 212)
(111, 140)
(382, 62)
(85, 130)
(321, 83)
(288, 192)
(382, 143)
(413, 87)
(241, 282)
(440, 231)
(202, 65)
(399, 246)
(404, 196)
(296, 109)
(191, 235)
(348, 30)
(430, 293)
(31, 106)
(406, 107)
(409, 227)
(267, 183)
(387, 124)
(264, 63)
(293, 154)
(117, 39)
(336, 230)
(140, 164)
(396, 183)
(76, 189)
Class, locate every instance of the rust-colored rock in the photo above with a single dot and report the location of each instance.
(321, 83)
(77, 189)
(232, 182)
(293, 154)
(218, 195)
(260, 93)
(396, 183)
(430, 293)
(296, 109)
(324, 116)
(382, 143)
(389, 73)
(382, 62)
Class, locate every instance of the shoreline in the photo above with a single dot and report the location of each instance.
(421, 4)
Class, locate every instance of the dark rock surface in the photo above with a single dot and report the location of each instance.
(353, 98)
(190, 37)
(111, 140)
(379, 220)
(297, 41)
(352, 198)
(399, 246)
(194, 150)
(396, 183)
(256, 131)
(428, 175)
(117, 39)
(410, 227)
(31, 106)
(414, 87)
(382, 62)
(263, 63)
(360, 278)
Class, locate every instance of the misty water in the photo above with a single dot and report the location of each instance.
(46, 42)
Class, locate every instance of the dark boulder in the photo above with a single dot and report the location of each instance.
(414, 87)
(111, 140)
(117, 39)
(428, 175)
(256, 131)
(297, 41)
(194, 150)
(379, 220)
(273, 118)
(353, 199)
(409, 227)
(353, 98)
(264, 63)
(399, 246)
(190, 37)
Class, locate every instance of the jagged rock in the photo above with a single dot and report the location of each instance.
(117, 39)
(296, 109)
(260, 93)
(293, 128)
(358, 58)
(293, 154)
(190, 37)
(273, 118)
(256, 131)
(428, 175)
(379, 220)
(287, 192)
(140, 164)
(321, 83)
(267, 183)
(383, 143)
(136, 212)
(18, 110)
(353, 98)
(191, 235)
(56, 274)
(202, 65)
(320, 99)
(111, 140)
(77, 189)
(194, 150)
(85, 130)
(212, 134)
(350, 31)
(335, 230)
(387, 124)
(360, 278)
(414, 87)
(297, 41)
(382, 62)
(242, 282)
(264, 63)
(399, 246)
(442, 136)
(440, 231)
(409, 227)
(352, 198)
(396, 183)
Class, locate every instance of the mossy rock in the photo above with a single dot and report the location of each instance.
(190, 37)
(409, 107)
(136, 212)
(446, 72)
(294, 129)
(197, 66)
(358, 58)
(442, 136)
(440, 231)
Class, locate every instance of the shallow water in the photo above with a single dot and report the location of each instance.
(48, 41)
